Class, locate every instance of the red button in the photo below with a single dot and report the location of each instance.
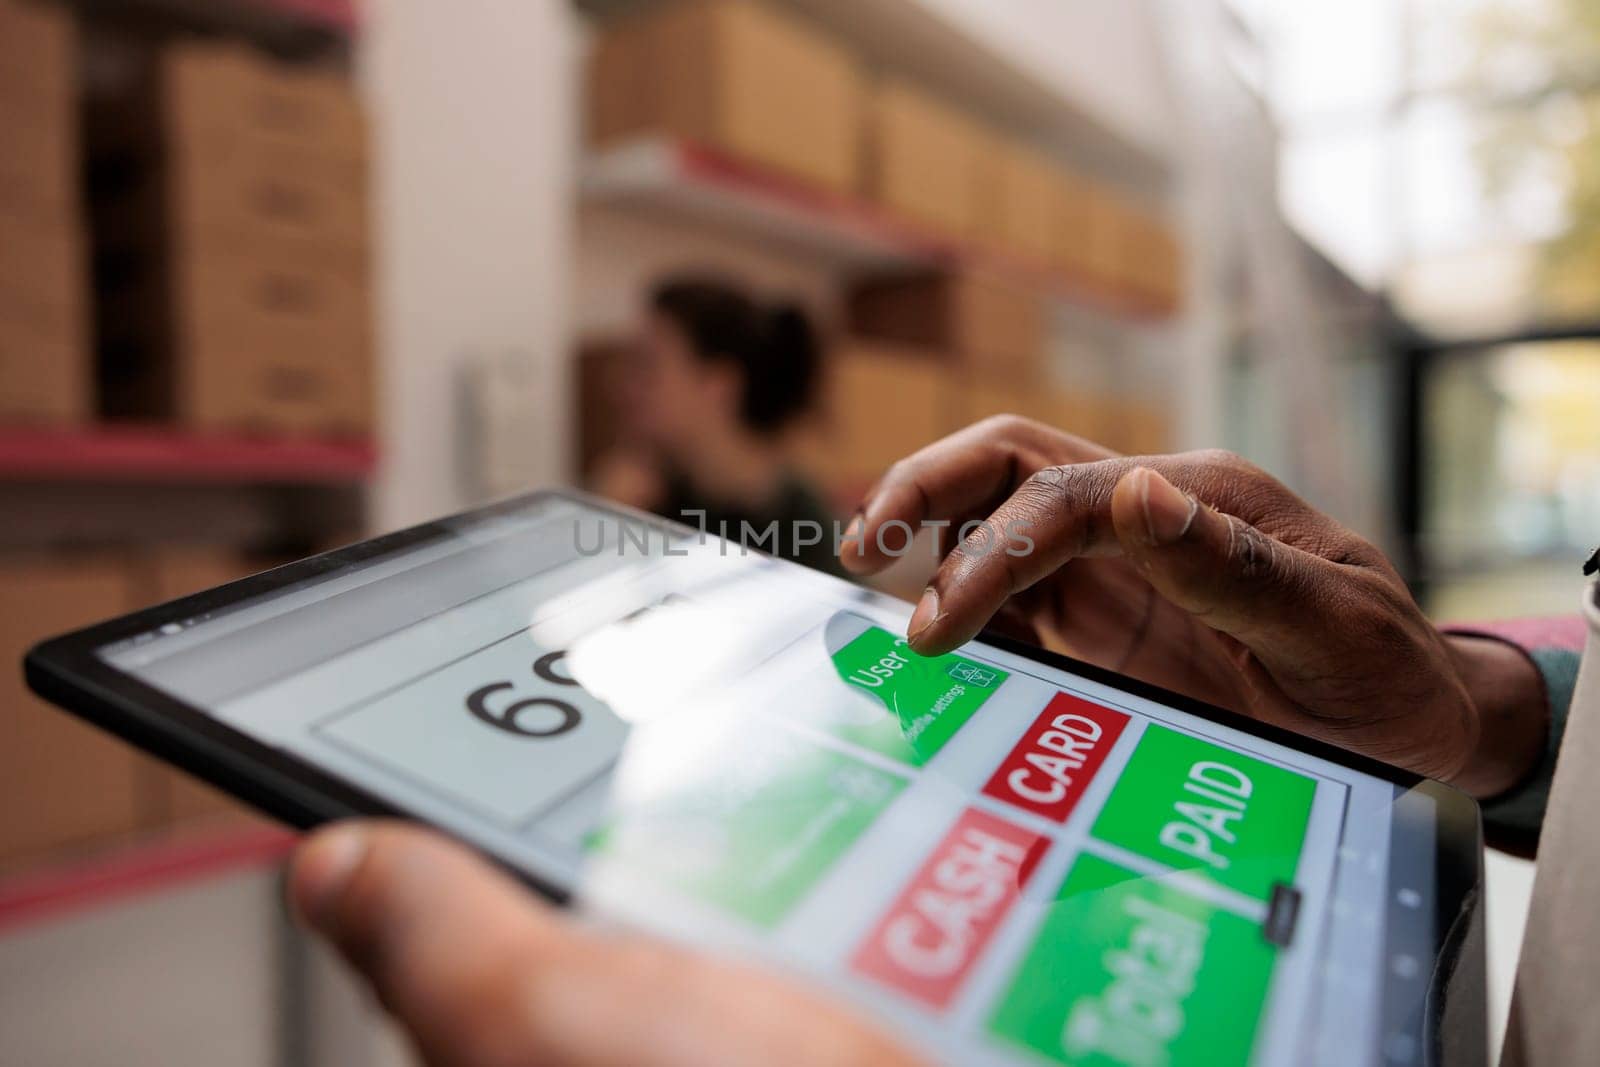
(1049, 769)
(928, 940)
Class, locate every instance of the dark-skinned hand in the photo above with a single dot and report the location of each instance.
(1201, 573)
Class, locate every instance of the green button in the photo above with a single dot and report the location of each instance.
(749, 831)
(1234, 820)
(913, 704)
(1127, 971)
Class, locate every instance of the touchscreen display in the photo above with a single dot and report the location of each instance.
(1012, 863)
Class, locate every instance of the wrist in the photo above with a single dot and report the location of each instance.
(1511, 713)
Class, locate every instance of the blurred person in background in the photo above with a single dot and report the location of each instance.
(715, 386)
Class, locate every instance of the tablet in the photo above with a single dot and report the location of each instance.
(1009, 857)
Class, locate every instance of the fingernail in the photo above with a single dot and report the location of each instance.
(852, 532)
(1168, 512)
(926, 614)
(322, 872)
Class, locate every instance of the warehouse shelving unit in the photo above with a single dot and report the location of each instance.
(919, 40)
(163, 507)
(694, 183)
(123, 490)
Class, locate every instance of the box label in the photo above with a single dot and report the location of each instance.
(939, 925)
(1125, 970)
(1230, 818)
(1051, 766)
(928, 698)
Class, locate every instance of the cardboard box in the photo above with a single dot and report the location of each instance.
(617, 83)
(981, 320)
(923, 160)
(211, 138)
(232, 247)
(230, 95)
(63, 784)
(38, 45)
(39, 168)
(1019, 194)
(1061, 409)
(273, 386)
(43, 273)
(1152, 261)
(45, 373)
(38, 111)
(151, 161)
(736, 75)
(1071, 230)
(163, 214)
(273, 345)
(1107, 226)
(1135, 428)
(256, 342)
(267, 193)
(1167, 267)
(880, 403)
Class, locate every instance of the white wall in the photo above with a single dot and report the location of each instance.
(475, 110)
(1106, 57)
(182, 978)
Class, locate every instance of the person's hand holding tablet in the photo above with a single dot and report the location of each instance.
(959, 848)
(482, 974)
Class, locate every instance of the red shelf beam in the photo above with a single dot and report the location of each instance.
(152, 454)
(62, 889)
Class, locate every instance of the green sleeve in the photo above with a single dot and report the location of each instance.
(1514, 817)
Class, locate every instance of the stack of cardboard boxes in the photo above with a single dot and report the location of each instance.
(736, 75)
(65, 786)
(922, 160)
(61, 782)
(1027, 205)
(44, 362)
(751, 81)
(933, 165)
(925, 356)
(232, 246)
(226, 225)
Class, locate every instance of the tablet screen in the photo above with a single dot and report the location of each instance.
(1013, 862)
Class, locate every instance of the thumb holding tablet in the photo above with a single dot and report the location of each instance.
(483, 974)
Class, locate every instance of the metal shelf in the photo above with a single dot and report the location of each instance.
(149, 454)
(684, 180)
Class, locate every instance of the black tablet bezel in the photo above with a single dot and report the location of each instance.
(69, 672)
